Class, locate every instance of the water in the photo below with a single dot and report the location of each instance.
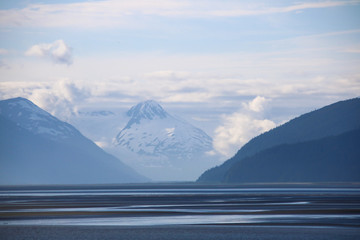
(159, 205)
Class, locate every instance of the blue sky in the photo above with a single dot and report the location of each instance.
(209, 61)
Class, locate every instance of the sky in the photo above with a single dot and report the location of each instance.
(234, 68)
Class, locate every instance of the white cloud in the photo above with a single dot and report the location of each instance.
(57, 51)
(3, 64)
(3, 51)
(239, 127)
(123, 13)
(60, 99)
(256, 105)
(198, 78)
(236, 11)
(170, 75)
(102, 144)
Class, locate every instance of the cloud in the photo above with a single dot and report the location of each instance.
(3, 51)
(123, 13)
(168, 75)
(236, 12)
(3, 64)
(60, 99)
(102, 144)
(256, 105)
(57, 51)
(238, 128)
(219, 83)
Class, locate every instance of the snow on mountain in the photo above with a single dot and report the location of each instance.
(161, 146)
(32, 118)
(152, 131)
(146, 110)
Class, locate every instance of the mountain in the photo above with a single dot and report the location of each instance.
(161, 146)
(330, 121)
(330, 159)
(37, 148)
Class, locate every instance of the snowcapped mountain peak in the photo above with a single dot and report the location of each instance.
(149, 109)
(162, 146)
(30, 117)
(153, 131)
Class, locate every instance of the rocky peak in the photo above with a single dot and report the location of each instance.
(146, 110)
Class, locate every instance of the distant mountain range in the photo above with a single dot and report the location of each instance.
(37, 148)
(320, 146)
(161, 146)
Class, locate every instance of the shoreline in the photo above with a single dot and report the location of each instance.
(196, 232)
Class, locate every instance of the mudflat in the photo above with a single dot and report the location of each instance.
(178, 212)
(181, 232)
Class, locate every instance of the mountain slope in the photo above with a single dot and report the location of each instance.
(152, 131)
(162, 146)
(37, 148)
(330, 159)
(331, 120)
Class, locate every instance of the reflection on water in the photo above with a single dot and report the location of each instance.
(278, 219)
(139, 206)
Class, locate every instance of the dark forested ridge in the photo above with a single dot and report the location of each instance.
(330, 159)
(286, 144)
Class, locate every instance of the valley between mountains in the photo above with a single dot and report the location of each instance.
(149, 144)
